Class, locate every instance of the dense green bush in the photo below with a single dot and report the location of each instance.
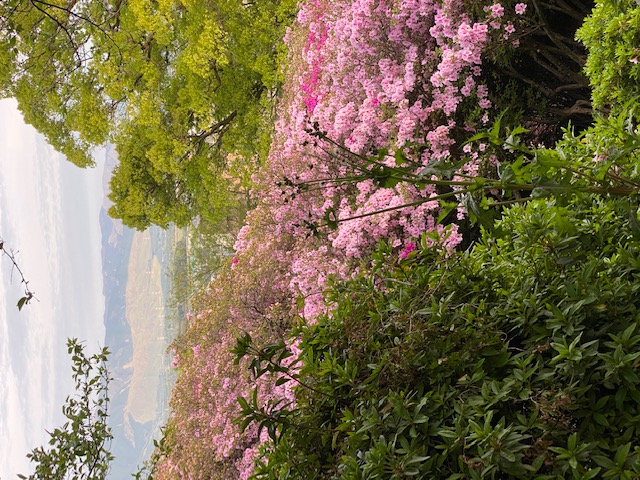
(518, 359)
(612, 36)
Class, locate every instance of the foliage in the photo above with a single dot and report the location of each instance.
(612, 35)
(515, 359)
(79, 449)
(177, 85)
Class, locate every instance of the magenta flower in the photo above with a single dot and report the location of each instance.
(175, 363)
(409, 247)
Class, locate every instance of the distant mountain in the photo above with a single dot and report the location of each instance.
(115, 257)
(135, 286)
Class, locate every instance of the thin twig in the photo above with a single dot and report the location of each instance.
(11, 255)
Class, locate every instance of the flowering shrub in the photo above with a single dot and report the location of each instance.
(373, 77)
(517, 359)
(378, 96)
(202, 441)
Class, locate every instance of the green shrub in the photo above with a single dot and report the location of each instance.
(612, 36)
(518, 359)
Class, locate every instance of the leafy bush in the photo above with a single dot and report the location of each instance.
(81, 447)
(612, 35)
(515, 360)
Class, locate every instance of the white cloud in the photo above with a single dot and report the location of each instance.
(49, 212)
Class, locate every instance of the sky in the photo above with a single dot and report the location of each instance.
(49, 217)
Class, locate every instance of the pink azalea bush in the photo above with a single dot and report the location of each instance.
(404, 75)
(203, 440)
(363, 75)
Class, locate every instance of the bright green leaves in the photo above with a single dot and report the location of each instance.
(190, 76)
(206, 47)
(48, 69)
(612, 36)
(80, 448)
(602, 160)
(155, 18)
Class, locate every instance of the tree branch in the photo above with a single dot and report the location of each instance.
(28, 294)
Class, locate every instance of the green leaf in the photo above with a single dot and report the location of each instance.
(633, 220)
(549, 158)
(592, 473)
(538, 462)
(604, 462)
(507, 455)
(622, 454)
(494, 133)
(22, 302)
(483, 217)
(447, 433)
(282, 381)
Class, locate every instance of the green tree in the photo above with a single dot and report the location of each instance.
(79, 449)
(180, 84)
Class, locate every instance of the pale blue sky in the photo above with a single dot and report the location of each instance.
(49, 214)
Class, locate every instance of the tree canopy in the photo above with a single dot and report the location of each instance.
(177, 85)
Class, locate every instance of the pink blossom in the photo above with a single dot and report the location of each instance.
(497, 10)
(520, 8)
(175, 362)
(409, 247)
(484, 103)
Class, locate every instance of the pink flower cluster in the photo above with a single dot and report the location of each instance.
(205, 441)
(369, 74)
